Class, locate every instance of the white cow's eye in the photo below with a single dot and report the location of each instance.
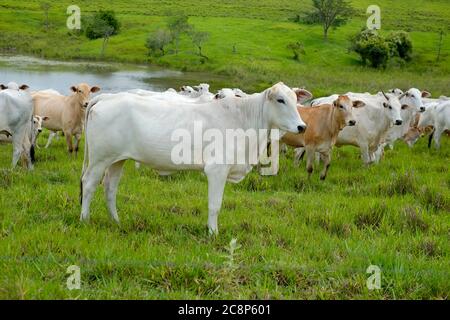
(281, 101)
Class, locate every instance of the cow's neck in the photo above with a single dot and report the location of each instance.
(252, 112)
(254, 116)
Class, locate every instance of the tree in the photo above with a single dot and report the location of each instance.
(158, 40)
(45, 6)
(178, 26)
(96, 26)
(297, 49)
(198, 39)
(329, 13)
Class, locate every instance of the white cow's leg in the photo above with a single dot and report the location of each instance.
(111, 183)
(50, 138)
(89, 183)
(299, 153)
(137, 165)
(365, 155)
(17, 142)
(217, 177)
(437, 137)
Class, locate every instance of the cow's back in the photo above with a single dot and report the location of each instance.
(51, 106)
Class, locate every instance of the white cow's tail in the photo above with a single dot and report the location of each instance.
(86, 149)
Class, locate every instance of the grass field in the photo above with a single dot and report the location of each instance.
(299, 239)
(260, 30)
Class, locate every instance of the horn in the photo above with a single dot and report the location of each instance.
(384, 94)
(402, 95)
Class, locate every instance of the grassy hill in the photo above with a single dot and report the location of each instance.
(260, 31)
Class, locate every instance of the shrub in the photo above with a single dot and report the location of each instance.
(377, 50)
(400, 45)
(297, 49)
(158, 40)
(371, 47)
(101, 20)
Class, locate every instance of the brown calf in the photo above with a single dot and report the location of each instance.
(66, 113)
(324, 123)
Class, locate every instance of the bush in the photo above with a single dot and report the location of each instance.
(400, 45)
(101, 20)
(372, 48)
(158, 40)
(377, 50)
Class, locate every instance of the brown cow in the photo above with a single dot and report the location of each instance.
(324, 123)
(66, 113)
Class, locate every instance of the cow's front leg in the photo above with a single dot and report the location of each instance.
(310, 156)
(50, 138)
(217, 177)
(299, 154)
(437, 137)
(77, 142)
(69, 142)
(326, 159)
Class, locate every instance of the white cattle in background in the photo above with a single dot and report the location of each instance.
(16, 120)
(143, 132)
(412, 104)
(437, 115)
(381, 112)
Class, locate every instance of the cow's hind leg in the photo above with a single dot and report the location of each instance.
(89, 183)
(18, 146)
(111, 183)
(217, 177)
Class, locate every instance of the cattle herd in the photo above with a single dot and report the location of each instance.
(138, 125)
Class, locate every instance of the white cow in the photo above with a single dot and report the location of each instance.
(412, 104)
(130, 127)
(381, 112)
(437, 114)
(16, 118)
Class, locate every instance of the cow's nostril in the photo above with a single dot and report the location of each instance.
(352, 122)
(422, 109)
(301, 129)
(398, 122)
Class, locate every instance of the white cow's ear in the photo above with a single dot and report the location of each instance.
(426, 94)
(73, 88)
(45, 118)
(95, 89)
(303, 95)
(24, 87)
(358, 104)
(405, 106)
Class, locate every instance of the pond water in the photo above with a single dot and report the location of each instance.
(40, 74)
